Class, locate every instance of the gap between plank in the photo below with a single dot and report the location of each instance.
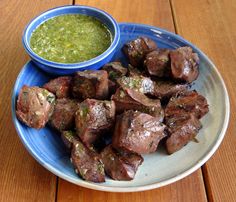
(56, 191)
(173, 16)
(206, 183)
(73, 2)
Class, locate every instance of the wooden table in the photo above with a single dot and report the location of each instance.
(210, 24)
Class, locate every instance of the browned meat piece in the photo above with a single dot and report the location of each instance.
(139, 83)
(158, 89)
(63, 117)
(131, 99)
(183, 128)
(184, 64)
(133, 159)
(115, 70)
(157, 63)
(34, 106)
(137, 132)
(93, 118)
(137, 49)
(90, 84)
(120, 165)
(166, 89)
(187, 102)
(59, 86)
(87, 163)
(132, 71)
(68, 137)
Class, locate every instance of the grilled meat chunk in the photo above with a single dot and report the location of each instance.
(93, 118)
(87, 163)
(184, 64)
(90, 84)
(131, 99)
(133, 71)
(167, 89)
(187, 102)
(137, 49)
(157, 63)
(68, 137)
(138, 83)
(34, 106)
(137, 132)
(115, 70)
(59, 86)
(120, 165)
(159, 89)
(183, 128)
(63, 117)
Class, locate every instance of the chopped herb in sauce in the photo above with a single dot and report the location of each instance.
(100, 168)
(113, 75)
(122, 94)
(70, 38)
(150, 144)
(84, 111)
(69, 135)
(51, 98)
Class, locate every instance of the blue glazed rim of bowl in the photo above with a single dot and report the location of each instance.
(38, 20)
(179, 176)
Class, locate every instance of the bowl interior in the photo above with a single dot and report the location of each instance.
(158, 169)
(84, 10)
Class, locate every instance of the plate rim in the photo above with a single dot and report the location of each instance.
(101, 187)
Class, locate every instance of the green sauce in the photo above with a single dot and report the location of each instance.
(70, 38)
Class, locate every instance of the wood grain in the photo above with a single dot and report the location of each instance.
(156, 13)
(188, 189)
(21, 177)
(211, 25)
(152, 12)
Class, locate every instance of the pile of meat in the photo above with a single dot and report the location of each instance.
(109, 117)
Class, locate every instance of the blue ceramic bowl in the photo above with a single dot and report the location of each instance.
(62, 68)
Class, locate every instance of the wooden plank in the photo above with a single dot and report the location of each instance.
(156, 13)
(211, 25)
(188, 189)
(22, 178)
(152, 12)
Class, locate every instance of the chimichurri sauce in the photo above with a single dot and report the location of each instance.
(70, 38)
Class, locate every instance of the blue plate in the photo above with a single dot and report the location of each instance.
(158, 169)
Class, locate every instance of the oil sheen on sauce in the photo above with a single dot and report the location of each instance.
(70, 38)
